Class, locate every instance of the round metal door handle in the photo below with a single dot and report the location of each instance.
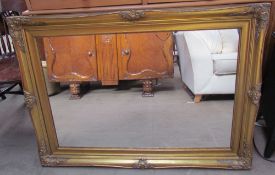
(125, 52)
(91, 53)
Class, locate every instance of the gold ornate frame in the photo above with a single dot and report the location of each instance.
(251, 19)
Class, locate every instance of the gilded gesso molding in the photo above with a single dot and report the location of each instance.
(260, 12)
(43, 148)
(244, 161)
(254, 94)
(45, 158)
(29, 99)
(132, 15)
(142, 164)
(15, 25)
(49, 160)
(245, 156)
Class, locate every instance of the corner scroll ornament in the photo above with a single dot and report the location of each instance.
(15, 25)
(46, 159)
(30, 99)
(142, 164)
(132, 15)
(261, 14)
(244, 162)
(255, 94)
(245, 157)
(50, 160)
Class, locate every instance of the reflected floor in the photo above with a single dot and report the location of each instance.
(121, 117)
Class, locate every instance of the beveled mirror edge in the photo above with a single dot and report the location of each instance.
(251, 18)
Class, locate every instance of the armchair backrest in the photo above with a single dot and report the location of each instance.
(230, 40)
(6, 46)
(219, 41)
(210, 38)
(4, 15)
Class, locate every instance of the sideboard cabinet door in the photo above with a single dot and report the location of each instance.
(71, 58)
(145, 55)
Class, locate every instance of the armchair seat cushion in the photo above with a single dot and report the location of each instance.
(225, 64)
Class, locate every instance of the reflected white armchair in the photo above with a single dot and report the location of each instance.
(208, 60)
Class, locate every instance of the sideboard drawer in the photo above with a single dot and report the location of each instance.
(70, 4)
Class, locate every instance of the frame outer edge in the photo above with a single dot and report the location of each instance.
(47, 159)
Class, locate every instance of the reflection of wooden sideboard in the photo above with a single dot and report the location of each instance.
(109, 58)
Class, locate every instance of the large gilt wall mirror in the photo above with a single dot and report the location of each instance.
(163, 88)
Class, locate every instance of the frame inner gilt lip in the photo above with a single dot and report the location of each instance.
(248, 18)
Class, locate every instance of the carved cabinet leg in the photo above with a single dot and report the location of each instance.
(148, 88)
(75, 91)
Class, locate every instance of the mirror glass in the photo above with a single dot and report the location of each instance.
(172, 89)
